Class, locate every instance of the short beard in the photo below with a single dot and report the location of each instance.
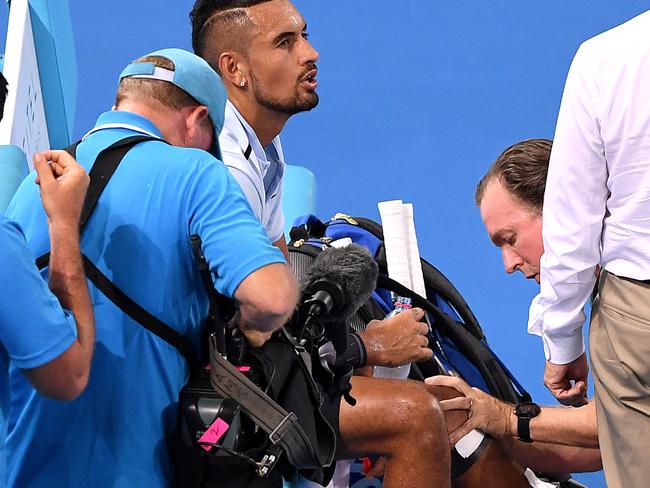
(287, 107)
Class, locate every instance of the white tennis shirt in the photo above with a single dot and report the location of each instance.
(258, 170)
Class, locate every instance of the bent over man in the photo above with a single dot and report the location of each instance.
(510, 197)
(165, 190)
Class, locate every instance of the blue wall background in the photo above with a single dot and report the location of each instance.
(417, 98)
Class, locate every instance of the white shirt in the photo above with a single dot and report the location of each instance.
(597, 200)
(261, 175)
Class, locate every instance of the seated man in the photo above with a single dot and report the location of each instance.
(510, 197)
(164, 190)
(261, 50)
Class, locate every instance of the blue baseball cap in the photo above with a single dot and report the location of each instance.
(195, 77)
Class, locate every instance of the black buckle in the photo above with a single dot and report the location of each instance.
(282, 428)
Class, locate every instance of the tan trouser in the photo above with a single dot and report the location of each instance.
(619, 343)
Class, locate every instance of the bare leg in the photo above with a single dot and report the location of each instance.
(402, 421)
(495, 468)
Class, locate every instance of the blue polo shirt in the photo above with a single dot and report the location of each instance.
(114, 433)
(34, 329)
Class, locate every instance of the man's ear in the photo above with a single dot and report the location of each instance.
(200, 131)
(233, 69)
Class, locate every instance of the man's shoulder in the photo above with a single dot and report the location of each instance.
(619, 39)
(168, 151)
(180, 155)
(152, 156)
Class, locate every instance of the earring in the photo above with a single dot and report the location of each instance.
(242, 83)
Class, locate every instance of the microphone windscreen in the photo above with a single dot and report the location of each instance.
(353, 269)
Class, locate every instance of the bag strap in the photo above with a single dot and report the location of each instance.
(105, 165)
(310, 227)
(72, 149)
(482, 358)
(103, 169)
(282, 427)
(139, 314)
(218, 302)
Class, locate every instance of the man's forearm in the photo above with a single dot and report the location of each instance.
(265, 320)
(63, 184)
(552, 458)
(66, 376)
(257, 324)
(67, 281)
(565, 439)
(267, 298)
(562, 425)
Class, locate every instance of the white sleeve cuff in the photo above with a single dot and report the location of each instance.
(563, 349)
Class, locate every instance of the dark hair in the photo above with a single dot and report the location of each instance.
(522, 169)
(221, 14)
(3, 94)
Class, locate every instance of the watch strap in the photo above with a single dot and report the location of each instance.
(524, 412)
(523, 428)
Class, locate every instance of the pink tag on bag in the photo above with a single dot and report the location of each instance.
(214, 433)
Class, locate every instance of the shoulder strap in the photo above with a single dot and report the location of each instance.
(103, 169)
(282, 427)
(105, 165)
(72, 149)
(139, 314)
(219, 304)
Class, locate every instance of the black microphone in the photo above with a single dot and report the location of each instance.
(340, 280)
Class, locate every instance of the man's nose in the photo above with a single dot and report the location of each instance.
(309, 54)
(511, 260)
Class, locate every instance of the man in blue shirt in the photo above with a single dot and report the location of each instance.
(52, 347)
(164, 191)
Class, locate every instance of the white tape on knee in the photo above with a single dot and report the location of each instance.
(468, 444)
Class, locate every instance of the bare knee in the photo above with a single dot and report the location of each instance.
(392, 418)
(422, 414)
